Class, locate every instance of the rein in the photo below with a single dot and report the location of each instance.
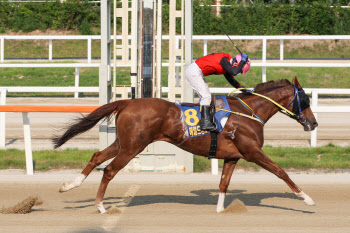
(283, 109)
(253, 117)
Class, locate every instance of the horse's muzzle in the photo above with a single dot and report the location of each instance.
(309, 124)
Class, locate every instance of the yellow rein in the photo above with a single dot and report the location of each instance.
(240, 114)
(265, 97)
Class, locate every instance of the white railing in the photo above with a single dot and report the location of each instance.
(264, 40)
(76, 89)
(204, 38)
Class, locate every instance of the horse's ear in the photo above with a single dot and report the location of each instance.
(296, 82)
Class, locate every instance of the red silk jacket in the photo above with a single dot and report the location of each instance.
(210, 64)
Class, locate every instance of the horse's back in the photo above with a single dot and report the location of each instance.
(150, 114)
(150, 105)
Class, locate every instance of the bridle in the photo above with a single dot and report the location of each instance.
(298, 106)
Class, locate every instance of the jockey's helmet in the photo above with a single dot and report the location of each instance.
(246, 67)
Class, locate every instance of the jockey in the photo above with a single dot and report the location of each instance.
(215, 63)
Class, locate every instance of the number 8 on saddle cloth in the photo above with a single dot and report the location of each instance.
(192, 116)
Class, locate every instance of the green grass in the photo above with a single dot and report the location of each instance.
(329, 157)
(47, 159)
(40, 48)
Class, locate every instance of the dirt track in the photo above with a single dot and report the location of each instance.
(177, 203)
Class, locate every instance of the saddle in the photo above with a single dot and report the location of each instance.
(219, 103)
(192, 116)
(188, 104)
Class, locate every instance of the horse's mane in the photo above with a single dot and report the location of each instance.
(271, 85)
(262, 88)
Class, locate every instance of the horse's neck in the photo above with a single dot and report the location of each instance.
(265, 109)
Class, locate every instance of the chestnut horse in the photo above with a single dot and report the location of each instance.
(140, 122)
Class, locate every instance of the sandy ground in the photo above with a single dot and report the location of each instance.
(151, 202)
(279, 130)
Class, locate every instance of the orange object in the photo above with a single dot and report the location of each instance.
(46, 108)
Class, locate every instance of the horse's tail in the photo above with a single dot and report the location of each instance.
(84, 123)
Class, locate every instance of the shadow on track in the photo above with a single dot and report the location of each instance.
(203, 197)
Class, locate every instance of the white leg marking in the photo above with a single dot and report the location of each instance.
(101, 208)
(220, 205)
(307, 199)
(77, 182)
(112, 220)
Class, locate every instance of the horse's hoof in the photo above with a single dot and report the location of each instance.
(101, 208)
(63, 188)
(309, 201)
(220, 210)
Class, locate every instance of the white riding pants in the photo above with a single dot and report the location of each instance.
(196, 79)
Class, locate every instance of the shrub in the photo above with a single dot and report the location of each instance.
(261, 18)
(29, 16)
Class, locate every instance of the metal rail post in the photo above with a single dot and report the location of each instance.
(89, 50)
(28, 144)
(76, 94)
(264, 61)
(3, 119)
(105, 68)
(313, 140)
(187, 91)
(205, 47)
(50, 50)
(2, 45)
(281, 50)
(159, 51)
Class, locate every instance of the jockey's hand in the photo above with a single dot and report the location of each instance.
(244, 57)
(246, 91)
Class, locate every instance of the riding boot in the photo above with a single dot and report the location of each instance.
(206, 121)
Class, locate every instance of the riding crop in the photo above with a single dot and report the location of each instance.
(229, 38)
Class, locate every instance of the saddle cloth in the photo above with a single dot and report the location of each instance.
(192, 116)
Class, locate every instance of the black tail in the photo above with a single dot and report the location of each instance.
(84, 123)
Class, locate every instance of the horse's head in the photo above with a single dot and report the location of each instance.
(301, 107)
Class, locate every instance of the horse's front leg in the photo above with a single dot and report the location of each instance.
(97, 159)
(229, 166)
(261, 159)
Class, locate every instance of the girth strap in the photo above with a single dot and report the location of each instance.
(213, 145)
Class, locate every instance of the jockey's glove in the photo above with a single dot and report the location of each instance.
(246, 91)
(244, 57)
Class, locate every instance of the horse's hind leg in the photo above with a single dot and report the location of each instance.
(119, 162)
(262, 160)
(98, 158)
(229, 166)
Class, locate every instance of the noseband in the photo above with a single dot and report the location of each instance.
(300, 103)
